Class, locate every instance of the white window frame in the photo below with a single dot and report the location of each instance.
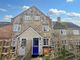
(27, 18)
(36, 17)
(45, 41)
(63, 32)
(22, 42)
(14, 43)
(45, 28)
(76, 32)
(16, 27)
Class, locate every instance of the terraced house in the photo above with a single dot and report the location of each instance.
(66, 40)
(31, 33)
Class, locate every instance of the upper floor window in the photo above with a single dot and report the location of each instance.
(27, 18)
(76, 32)
(36, 17)
(46, 28)
(63, 32)
(45, 41)
(16, 27)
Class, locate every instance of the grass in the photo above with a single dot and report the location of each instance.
(46, 58)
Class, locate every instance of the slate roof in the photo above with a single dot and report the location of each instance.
(5, 30)
(65, 25)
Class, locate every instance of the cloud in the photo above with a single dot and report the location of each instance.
(73, 20)
(60, 12)
(73, 14)
(56, 11)
(69, 0)
(8, 17)
(25, 7)
(3, 10)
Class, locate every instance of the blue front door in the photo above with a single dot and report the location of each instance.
(35, 47)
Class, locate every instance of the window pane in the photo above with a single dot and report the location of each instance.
(46, 28)
(76, 32)
(37, 18)
(16, 27)
(35, 41)
(63, 32)
(45, 41)
(13, 43)
(27, 18)
(23, 43)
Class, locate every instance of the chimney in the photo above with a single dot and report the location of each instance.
(58, 19)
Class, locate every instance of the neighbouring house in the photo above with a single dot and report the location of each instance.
(66, 36)
(31, 32)
(5, 40)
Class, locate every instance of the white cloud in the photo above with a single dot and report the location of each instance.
(8, 17)
(69, 0)
(56, 11)
(3, 10)
(25, 7)
(60, 12)
(68, 19)
(73, 14)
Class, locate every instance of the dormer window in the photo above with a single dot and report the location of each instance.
(16, 27)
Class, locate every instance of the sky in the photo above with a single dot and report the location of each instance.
(68, 10)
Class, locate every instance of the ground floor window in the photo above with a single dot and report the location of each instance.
(23, 43)
(45, 41)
